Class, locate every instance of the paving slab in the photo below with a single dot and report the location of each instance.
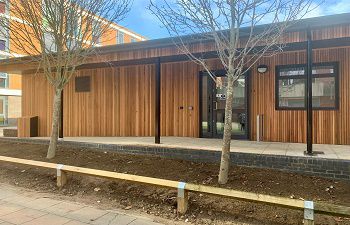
(18, 199)
(6, 223)
(48, 219)
(63, 208)
(22, 216)
(114, 219)
(49, 211)
(6, 194)
(74, 222)
(42, 203)
(9, 208)
(86, 214)
(143, 222)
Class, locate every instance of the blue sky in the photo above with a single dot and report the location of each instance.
(143, 22)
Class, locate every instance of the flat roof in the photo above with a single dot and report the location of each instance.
(303, 24)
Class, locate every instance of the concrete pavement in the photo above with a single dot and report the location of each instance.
(263, 148)
(19, 207)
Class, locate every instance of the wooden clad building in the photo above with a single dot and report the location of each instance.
(150, 89)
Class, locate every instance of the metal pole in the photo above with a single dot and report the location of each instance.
(157, 103)
(309, 92)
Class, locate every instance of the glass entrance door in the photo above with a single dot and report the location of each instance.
(213, 96)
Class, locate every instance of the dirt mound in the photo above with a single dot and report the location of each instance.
(161, 202)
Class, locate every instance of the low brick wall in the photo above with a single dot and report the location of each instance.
(310, 165)
(10, 132)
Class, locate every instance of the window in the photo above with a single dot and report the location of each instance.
(3, 110)
(133, 40)
(291, 86)
(73, 32)
(2, 7)
(3, 80)
(2, 45)
(73, 27)
(96, 32)
(50, 45)
(120, 37)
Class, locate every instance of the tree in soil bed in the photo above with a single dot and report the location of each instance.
(58, 36)
(235, 30)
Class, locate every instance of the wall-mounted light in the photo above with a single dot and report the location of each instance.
(262, 68)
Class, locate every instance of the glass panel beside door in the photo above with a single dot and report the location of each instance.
(213, 99)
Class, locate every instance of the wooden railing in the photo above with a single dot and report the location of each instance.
(309, 207)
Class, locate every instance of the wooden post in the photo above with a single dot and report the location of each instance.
(182, 198)
(309, 213)
(308, 222)
(61, 176)
(157, 103)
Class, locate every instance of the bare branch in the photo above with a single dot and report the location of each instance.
(59, 34)
(234, 28)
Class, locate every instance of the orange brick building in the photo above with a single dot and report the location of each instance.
(11, 84)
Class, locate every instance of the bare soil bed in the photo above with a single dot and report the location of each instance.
(161, 202)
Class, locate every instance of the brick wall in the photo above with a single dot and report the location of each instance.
(328, 168)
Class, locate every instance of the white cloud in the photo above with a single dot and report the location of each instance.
(330, 7)
(340, 6)
(316, 11)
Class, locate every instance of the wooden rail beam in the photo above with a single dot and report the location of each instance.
(331, 209)
(122, 176)
(247, 196)
(29, 162)
(184, 188)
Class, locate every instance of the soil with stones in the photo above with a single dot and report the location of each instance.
(160, 202)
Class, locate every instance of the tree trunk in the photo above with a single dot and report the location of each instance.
(225, 154)
(55, 124)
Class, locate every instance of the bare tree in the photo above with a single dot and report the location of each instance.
(59, 35)
(234, 27)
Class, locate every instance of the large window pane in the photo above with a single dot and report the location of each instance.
(239, 94)
(120, 37)
(96, 32)
(329, 69)
(3, 80)
(291, 86)
(292, 71)
(49, 42)
(205, 115)
(238, 106)
(2, 45)
(323, 92)
(291, 93)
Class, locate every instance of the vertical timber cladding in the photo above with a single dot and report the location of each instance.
(180, 99)
(330, 126)
(121, 102)
(37, 98)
